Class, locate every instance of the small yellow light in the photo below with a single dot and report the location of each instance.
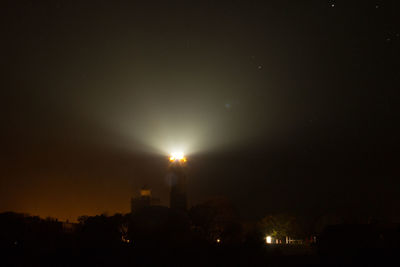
(268, 239)
(218, 240)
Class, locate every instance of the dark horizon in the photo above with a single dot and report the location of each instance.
(280, 106)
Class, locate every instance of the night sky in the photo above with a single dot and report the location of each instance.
(280, 106)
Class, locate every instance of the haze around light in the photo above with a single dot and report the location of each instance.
(180, 117)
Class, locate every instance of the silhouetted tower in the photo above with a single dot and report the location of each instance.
(178, 197)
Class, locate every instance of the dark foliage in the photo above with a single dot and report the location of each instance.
(159, 236)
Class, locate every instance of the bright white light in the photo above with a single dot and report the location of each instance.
(177, 156)
(268, 239)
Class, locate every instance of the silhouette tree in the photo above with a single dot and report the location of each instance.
(216, 219)
(279, 226)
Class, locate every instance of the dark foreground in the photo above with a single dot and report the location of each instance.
(218, 255)
(159, 237)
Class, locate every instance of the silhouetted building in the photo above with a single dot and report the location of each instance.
(144, 200)
(178, 197)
